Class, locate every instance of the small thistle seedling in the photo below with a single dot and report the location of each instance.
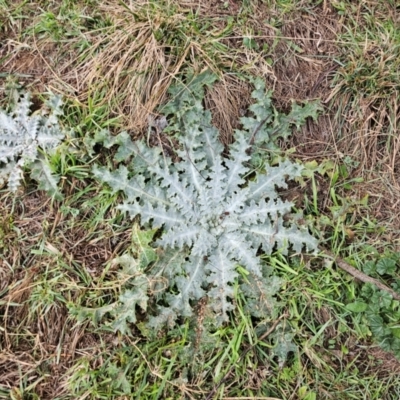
(22, 134)
(210, 215)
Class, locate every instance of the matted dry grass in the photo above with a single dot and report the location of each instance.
(360, 90)
(133, 62)
(228, 100)
(47, 254)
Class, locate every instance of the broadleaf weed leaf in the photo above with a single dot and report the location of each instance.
(206, 208)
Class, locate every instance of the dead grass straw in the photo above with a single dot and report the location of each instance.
(133, 62)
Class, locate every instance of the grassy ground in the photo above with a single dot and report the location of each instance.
(113, 64)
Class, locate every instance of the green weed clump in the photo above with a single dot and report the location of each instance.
(210, 219)
(24, 139)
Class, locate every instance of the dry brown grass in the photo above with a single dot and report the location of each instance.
(314, 59)
(228, 100)
(366, 89)
(135, 61)
(131, 63)
(46, 255)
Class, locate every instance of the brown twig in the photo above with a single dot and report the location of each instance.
(360, 275)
